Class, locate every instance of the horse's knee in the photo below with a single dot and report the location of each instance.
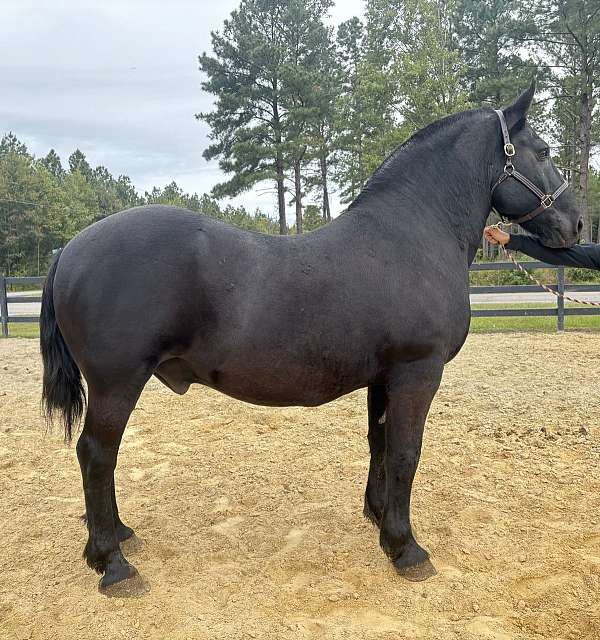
(83, 448)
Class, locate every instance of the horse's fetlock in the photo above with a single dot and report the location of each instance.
(95, 556)
(395, 542)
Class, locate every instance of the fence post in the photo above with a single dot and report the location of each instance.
(560, 301)
(3, 307)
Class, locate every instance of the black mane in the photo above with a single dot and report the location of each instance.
(386, 172)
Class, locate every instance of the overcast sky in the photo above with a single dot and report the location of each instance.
(120, 81)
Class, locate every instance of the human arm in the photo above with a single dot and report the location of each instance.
(586, 256)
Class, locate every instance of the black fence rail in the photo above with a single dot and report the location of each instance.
(559, 311)
(7, 298)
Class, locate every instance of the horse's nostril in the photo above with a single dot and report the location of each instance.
(580, 225)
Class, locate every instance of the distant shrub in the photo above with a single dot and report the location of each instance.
(582, 275)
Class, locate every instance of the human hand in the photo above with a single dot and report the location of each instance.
(496, 236)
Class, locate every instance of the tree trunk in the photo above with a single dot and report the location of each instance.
(573, 172)
(326, 209)
(281, 194)
(279, 179)
(298, 191)
(585, 121)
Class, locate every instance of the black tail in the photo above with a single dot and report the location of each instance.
(62, 387)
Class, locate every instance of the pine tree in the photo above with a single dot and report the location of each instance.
(53, 164)
(403, 71)
(78, 162)
(349, 119)
(489, 35)
(306, 40)
(414, 40)
(248, 124)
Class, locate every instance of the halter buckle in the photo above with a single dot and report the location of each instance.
(509, 150)
(547, 201)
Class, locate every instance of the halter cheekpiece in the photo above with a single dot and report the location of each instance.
(546, 199)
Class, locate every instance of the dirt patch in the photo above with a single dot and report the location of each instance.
(251, 518)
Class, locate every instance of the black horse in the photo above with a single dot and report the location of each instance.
(379, 298)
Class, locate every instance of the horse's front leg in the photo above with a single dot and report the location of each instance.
(375, 492)
(410, 393)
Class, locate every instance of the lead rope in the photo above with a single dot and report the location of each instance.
(521, 268)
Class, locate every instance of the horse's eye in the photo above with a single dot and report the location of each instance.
(544, 153)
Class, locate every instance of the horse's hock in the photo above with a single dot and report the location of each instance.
(251, 518)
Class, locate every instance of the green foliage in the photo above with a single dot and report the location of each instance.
(488, 34)
(429, 69)
(53, 163)
(345, 108)
(582, 275)
(313, 218)
(248, 125)
(78, 162)
(349, 121)
(239, 217)
(402, 72)
(30, 207)
(515, 277)
(497, 278)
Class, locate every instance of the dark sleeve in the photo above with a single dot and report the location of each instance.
(586, 256)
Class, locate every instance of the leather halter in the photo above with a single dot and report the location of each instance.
(546, 199)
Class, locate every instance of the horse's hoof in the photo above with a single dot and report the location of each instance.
(132, 544)
(416, 572)
(123, 581)
(413, 563)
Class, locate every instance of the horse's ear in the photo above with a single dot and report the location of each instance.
(516, 113)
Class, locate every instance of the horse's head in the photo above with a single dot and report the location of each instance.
(545, 207)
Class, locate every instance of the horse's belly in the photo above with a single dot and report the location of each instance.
(261, 383)
(291, 388)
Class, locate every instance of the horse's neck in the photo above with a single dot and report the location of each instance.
(438, 185)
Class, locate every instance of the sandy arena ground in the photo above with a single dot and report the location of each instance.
(251, 518)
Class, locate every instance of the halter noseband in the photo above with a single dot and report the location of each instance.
(546, 199)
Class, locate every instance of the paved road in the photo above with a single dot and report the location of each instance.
(33, 308)
(24, 308)
(513, 298)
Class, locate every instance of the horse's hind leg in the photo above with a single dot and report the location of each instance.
(123, 531)
(375, 492)
(97, 448)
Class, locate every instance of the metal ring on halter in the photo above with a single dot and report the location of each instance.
(548, 201)
(509, 149)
